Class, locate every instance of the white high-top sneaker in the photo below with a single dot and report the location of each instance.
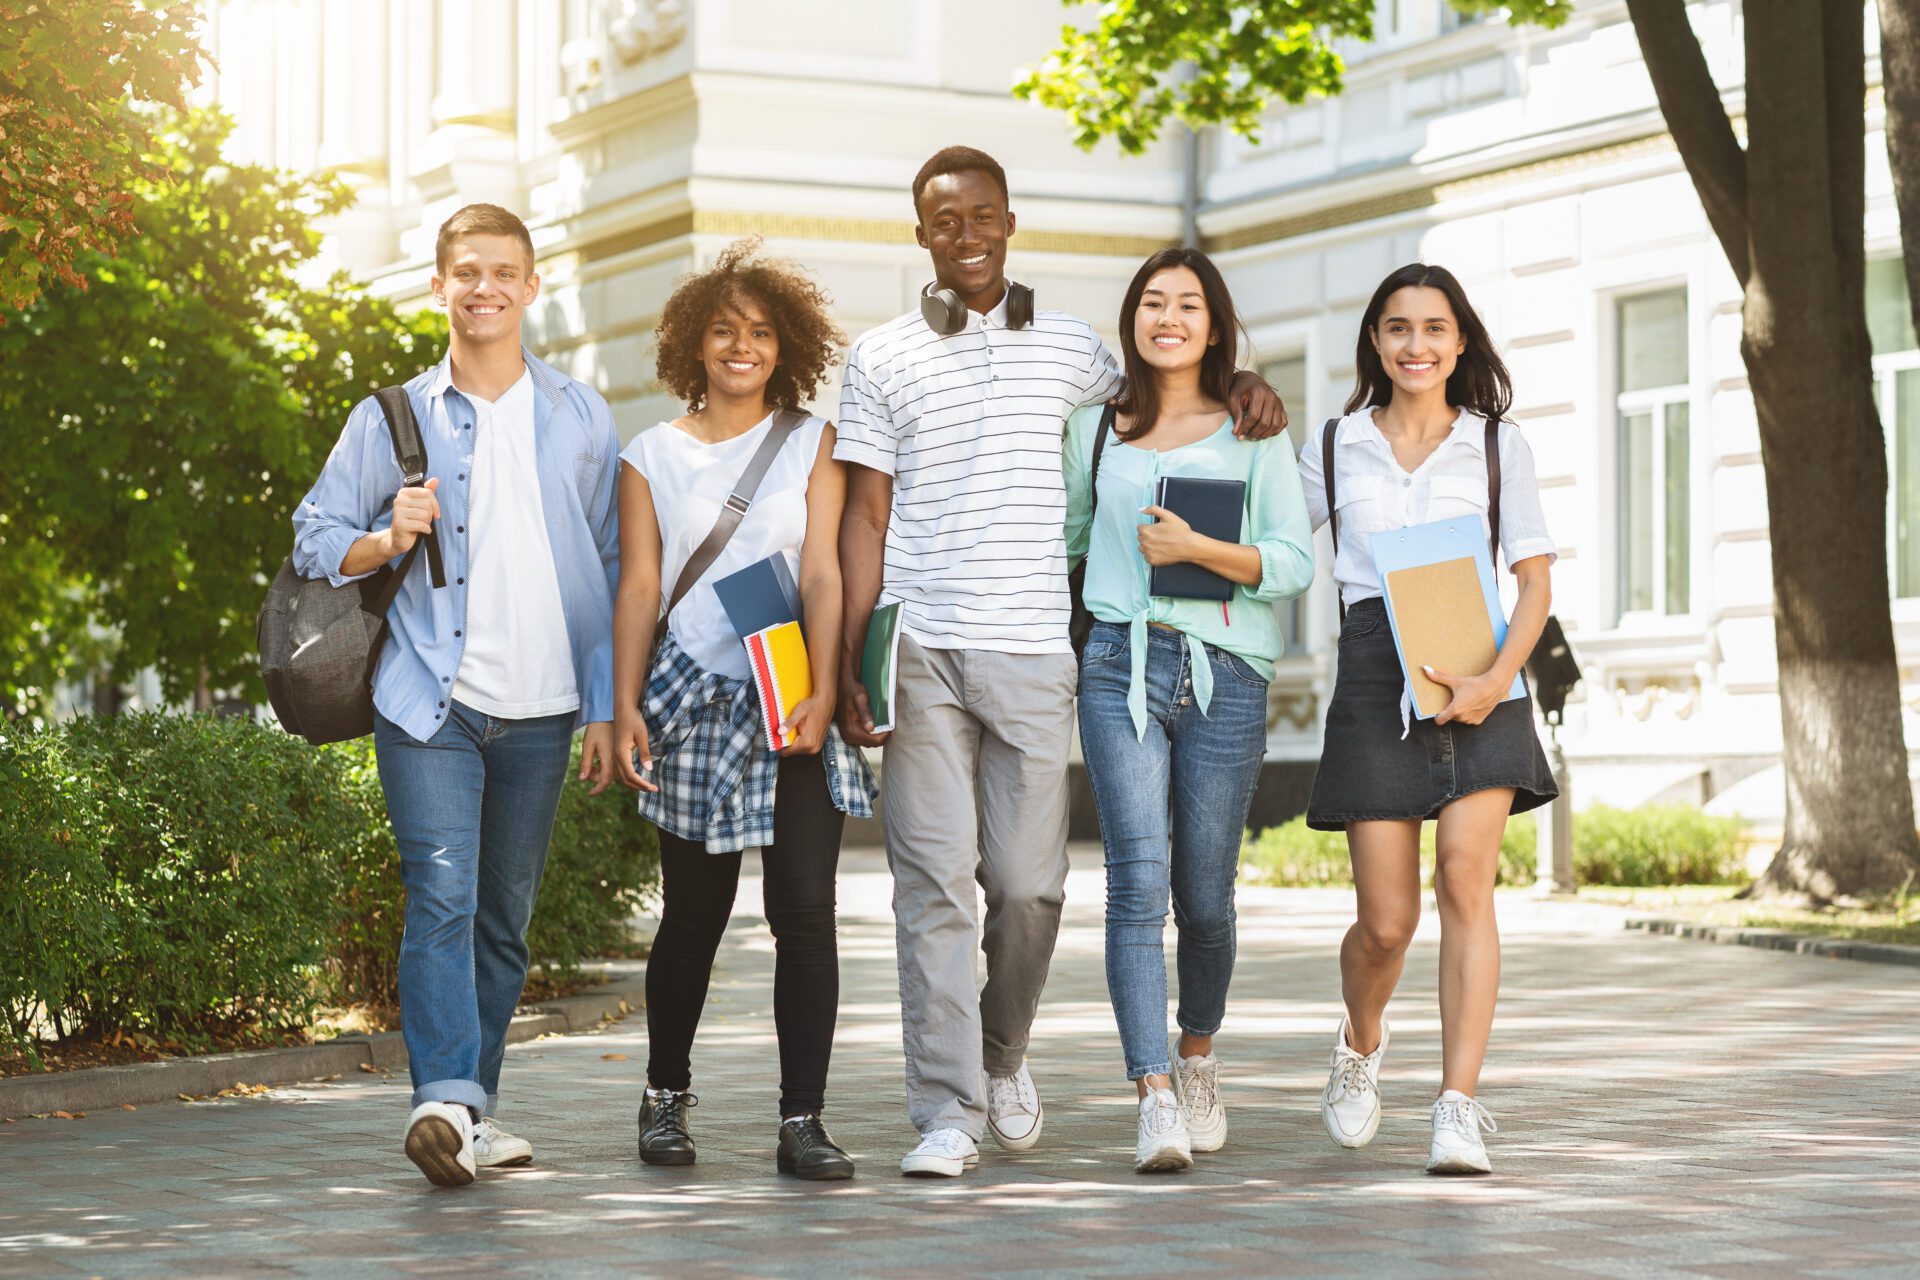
(440, 1142)
(494, 1147)
(1013, 1110)
(1162, 1145)
(1351, 1104)
(1197, 1081)
(1457, 1145)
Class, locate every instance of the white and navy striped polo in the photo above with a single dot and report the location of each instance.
(969, 427)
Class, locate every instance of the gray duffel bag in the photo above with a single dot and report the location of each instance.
(319, 643)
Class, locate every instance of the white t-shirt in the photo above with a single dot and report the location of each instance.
(1375, 493)
(969, 426)
(690, 482)
(518, 663)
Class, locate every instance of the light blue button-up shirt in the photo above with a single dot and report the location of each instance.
(578, 454)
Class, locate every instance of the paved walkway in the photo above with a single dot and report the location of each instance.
(1666, 1108)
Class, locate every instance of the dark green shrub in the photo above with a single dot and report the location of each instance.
(183, 874)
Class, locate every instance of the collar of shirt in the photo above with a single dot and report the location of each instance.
(1359, 428)
(996, 317)
(549, 381)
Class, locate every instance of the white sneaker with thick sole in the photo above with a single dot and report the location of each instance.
(1013, 1110)
(440, 1142)
(1197, 1082)
(1457, 1124)
(1351, 1104)
(1163, 1145)
(944, 1153)
(494, 1147)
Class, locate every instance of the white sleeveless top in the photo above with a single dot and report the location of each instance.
(690, 483)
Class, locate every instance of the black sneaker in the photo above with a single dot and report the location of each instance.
(663, 1127)
(808, 1151)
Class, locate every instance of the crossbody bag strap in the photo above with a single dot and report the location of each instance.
(785, 423)
(1493, 486)
(1333, 512)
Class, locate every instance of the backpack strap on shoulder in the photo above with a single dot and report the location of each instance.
(1493, 486)
(410, 451)
(1333, 512)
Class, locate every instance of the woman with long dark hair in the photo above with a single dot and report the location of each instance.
(1173, 690)
(1418, 443)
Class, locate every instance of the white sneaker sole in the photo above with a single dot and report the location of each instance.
(1168, 1159)
(1460, 1162)
(1019, 1144)
(508, 1159)
(914, 1166)
(434, 1146)
(1208, 1139)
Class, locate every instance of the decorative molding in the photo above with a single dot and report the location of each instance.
(789, 226)
(644, 28)
(1299, 708)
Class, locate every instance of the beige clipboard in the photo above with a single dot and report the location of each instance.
(1440, 621)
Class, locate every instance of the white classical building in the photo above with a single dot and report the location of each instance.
(640, 136)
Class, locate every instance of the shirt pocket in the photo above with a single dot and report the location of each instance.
(1359, 505)
(1453, 497)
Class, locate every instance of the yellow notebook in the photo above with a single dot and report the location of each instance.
(783, 676)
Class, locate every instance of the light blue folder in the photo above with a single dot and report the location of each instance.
(1417, 545)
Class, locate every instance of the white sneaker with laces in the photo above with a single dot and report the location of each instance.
(944, 1153)
(1013, 1110)
(440, 1142)
(1351, 1104)
(1457, 1146)
(1163, 1145)
(494, 1147)
(1197, 1081)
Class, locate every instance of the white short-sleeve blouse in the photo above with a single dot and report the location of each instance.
(1375, 493)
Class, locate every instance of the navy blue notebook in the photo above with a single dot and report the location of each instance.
(759, 596)
(1212, 507)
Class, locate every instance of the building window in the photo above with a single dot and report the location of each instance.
(1896, 384)
(1288, 377)
(1655, 451)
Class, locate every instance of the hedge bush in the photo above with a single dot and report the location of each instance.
(1651, 845)
(185, 874)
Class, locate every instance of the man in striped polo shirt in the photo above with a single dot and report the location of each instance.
(952, 416)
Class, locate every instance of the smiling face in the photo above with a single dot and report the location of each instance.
(1419, 339)
(738, 350)
(488, 285)
(1172, 327)
(964, 225)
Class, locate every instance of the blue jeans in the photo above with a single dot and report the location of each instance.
(472, 810)
(1172, 810)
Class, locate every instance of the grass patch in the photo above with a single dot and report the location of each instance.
(1894, 919)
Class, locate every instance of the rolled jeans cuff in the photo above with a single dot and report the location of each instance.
(465, 1092)
(1158, 1069)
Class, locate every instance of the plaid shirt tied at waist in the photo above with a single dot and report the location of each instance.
(712, 763)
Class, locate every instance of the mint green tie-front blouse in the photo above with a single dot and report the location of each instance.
(1275, 521)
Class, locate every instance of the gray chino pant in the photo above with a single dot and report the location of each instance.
(975, 789)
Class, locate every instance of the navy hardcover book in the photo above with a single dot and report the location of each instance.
(1213, 508)
(759, 596)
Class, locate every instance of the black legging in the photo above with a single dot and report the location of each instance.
(697, 892)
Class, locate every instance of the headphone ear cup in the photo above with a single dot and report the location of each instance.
(1019, 305)
(943, 311)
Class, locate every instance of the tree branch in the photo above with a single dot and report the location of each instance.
(1690, 101)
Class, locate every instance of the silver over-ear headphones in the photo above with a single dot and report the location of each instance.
(946, 315)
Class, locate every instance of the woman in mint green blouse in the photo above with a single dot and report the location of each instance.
(1173, 691)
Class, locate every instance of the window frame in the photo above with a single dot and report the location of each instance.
(1655, 402)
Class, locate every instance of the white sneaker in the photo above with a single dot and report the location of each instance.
(1351, 1104)
(494, 1147)
(440, 1142)
(1163, 1145)
(1197, 1081)
(1457, 1147)
(1013, 1110)
(944, 1153)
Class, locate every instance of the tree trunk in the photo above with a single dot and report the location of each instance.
(1849, 819)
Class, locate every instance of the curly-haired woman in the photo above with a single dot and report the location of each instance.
(738, 343)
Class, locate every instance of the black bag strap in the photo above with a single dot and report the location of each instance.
(1333, 512)
(1493, 486)
(410, 451)
(785, 423)
(1093, 474)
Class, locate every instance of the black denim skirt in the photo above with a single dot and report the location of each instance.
(1368, 772)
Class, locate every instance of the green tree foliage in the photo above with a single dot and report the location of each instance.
(70, 144)
(1209, 62)
(164, 422)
